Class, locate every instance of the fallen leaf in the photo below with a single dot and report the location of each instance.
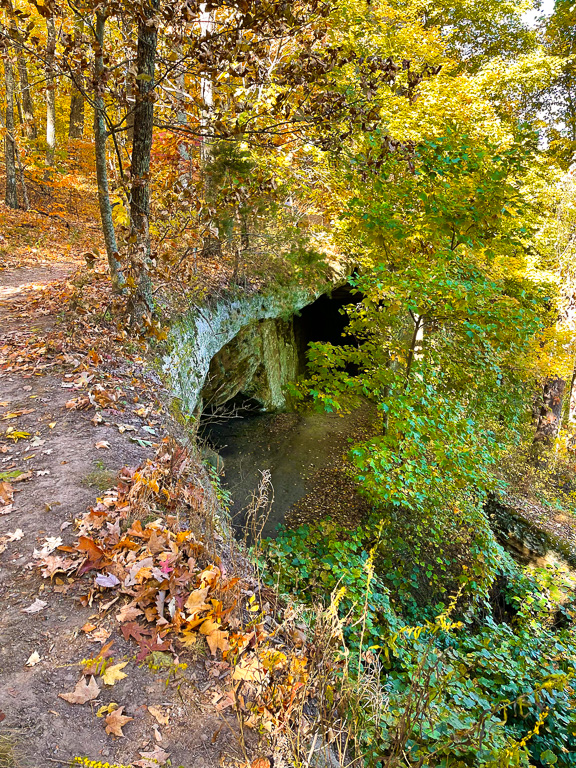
(249, 670)
(50, 544)
(153, 759)
(15, 414)
(34, 659)
(116, 721)
(195, 602)
(128, 613)
(88, 627)
(100, 636)
(17, 435)
(6, 497)
(216, 637)
(82, 693)
(52, 424)
(159, 715)
(107, 580)
(113, 674)
(22, 476)
(78, 403)
(52, 564)
(102, 444)
(36, 606)
(260, 762)
(106, 709)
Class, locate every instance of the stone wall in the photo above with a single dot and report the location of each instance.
(257, 363)
(198, 336)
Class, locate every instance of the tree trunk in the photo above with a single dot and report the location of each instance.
(100, 136)
(27, 102)
(127, 32)
(50, 91)
(211, 242)
(550, 415)
(141, 303)
(76, 124)
(11, 198)
(19, 110)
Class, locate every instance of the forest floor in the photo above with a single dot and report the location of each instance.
(55, 461)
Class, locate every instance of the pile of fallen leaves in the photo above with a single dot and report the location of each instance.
(170, 591)
(83, 305)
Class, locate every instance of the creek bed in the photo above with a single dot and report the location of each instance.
(305, 454)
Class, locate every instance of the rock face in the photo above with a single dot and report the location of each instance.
(236, 345)
(258, 363)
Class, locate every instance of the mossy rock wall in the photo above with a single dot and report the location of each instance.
(262, 358)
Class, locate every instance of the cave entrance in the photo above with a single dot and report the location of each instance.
(248, 426)
(325, 319)
(250, 372)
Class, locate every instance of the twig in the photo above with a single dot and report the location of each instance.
(52, 215)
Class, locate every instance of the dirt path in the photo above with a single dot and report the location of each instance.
(49, 454)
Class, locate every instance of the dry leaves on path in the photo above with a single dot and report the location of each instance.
(152, 759)
(34, 659)
(113, 674)
(159, 715)
(37, 605)
(6, 497)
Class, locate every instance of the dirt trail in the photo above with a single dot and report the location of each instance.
(57, 472)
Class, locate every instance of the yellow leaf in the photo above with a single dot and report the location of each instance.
(216, 637)
(195, 602)
(113, 673)
(107, 709)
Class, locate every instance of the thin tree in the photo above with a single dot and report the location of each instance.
(141, 303)
(27, 101)
(50, 91)
(76, 124)
(100, 138)
(11, 197)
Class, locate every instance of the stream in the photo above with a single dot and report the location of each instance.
(305, 455)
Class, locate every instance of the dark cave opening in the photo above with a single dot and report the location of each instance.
(325, 319)
(250, 372)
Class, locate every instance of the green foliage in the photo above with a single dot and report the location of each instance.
(447, 323)
(488, 690)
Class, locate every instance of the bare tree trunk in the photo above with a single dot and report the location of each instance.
(100, 137)
(127, 32)
(211, 244)
(25, 198)
(76, 124)
(19, 110)
(27, 102)
(11, 198)
(550, 415)
(50, 91)
(141, 303)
